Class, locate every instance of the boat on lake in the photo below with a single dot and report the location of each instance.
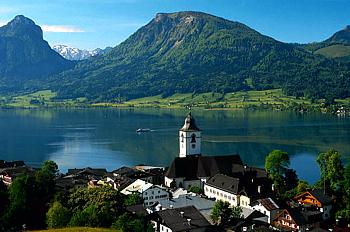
(141, 130)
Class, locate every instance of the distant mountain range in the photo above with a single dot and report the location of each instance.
(183, 52)
(25, 56)
(71, 53)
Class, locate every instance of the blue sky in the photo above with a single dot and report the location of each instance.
(89, 24)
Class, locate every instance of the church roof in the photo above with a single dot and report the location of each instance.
(193, 167)
(190, 124)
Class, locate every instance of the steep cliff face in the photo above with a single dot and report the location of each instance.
(24, 54)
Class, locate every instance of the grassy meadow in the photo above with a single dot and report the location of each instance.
(265, 99)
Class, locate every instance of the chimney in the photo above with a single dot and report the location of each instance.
(189, 221)
(259, 189)
(182, 214)
(171, 206)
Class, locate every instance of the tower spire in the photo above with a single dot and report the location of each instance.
(190, 137)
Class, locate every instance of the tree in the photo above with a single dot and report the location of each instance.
(344, 212)
(195, 189)
(301, 187)
(133, 199)
(291, 179)
(332, 170)
(21, 209)
(126, 223)
(104, 204)
(276, 165)
(58, 216)
(223, 214)
(3, 198)
(277, 162)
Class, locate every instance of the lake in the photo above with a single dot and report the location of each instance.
(106, 137)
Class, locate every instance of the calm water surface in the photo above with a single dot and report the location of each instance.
(107, 138)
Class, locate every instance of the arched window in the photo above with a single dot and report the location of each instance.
(193, 138)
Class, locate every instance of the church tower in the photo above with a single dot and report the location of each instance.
(190, 138)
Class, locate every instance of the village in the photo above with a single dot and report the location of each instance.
(184, 196)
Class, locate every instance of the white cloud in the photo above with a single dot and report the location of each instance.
(61, 28)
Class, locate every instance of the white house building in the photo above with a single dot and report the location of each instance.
(266, 206)
(150, 193)
(238, 191)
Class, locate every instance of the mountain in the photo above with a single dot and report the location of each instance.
(337, 46)
(71, 53)
(25, 56)
(342, 36)
(189, 52)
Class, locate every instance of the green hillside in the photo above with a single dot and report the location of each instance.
(334, 51)
(192, 52)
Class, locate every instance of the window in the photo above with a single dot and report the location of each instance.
(193, 138)
(193, 145)
(182, 138)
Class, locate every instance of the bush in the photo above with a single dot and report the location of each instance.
(58, 216)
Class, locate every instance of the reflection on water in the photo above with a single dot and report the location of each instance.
(107, 138)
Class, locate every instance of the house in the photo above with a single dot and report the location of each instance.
(318, 199)
(238, 191)
(89, 173)
(150, 193)
(156, 172)
(297, 219)
(134, 174)
(118, 182)
(203, 205)
(11, 164)
(250, 221)
(70, 183)
(224, 188)
(181, 219)
(267, 206)
(7, 175)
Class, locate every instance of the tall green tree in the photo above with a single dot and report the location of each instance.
(276, 165)
(332, 170)
(22, 207)
(344, 212)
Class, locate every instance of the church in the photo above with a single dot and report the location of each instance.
(191, 168)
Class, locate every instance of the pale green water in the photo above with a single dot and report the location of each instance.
(107, 138)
